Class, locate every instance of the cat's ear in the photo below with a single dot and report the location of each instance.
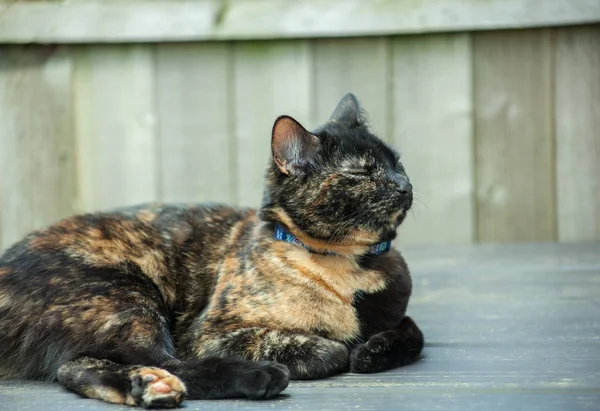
(292, 145)
(347, 112)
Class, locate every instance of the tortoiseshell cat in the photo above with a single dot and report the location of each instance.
(147, 305)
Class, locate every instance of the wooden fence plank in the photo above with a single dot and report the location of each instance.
(514, 136)
(360, 66)
(432, 128)
(194, 122)
(578, 133)
(1, 190)
(271, 78)
(115, 126)
(90, 21)
(36, 139)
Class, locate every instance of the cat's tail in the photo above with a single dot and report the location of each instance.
(166, 386)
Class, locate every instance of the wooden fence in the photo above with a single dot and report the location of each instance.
(108, 104)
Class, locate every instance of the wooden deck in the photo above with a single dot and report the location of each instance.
(507, 327)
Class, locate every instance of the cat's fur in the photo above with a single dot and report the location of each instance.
(146, 305)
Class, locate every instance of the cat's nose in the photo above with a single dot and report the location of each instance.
(404, 188)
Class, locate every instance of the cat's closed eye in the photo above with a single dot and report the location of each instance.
(399, 167)
(358, 172)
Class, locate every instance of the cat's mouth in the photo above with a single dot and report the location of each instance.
(401, 205)
(401, 208)
(399, 215)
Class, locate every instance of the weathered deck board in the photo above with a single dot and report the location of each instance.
(507, 327)
(399, 397)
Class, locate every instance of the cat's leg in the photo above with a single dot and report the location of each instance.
(388, 349)
(143, 371)
(134, 385)
(167, 385)
(392, 339)
(214, 378)
(306, 356)
(110, 339)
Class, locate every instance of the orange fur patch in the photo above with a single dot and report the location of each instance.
(321, 282)
(104, 393)
(146, 216)
(128, 242)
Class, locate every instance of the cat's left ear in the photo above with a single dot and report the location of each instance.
(293, 147)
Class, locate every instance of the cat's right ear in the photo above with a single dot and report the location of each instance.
(293, 147)
(347, 112)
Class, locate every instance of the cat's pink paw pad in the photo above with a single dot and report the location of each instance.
(154, 387)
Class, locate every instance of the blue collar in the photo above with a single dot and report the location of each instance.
(282, 234)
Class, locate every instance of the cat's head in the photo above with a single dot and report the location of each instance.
(337, 186)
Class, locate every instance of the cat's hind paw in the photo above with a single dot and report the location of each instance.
(263, 380)
(153, 387)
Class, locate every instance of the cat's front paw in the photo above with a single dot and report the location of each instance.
(388, 349)
(264, 380)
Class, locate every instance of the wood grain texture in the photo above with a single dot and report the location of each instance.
(432, 128)
(507, 327)
(149, 21)
(115, 126)
(514, 136)
(271, 79)
(195, 130)
(36, 139)
(369, 396)
(578, 133)
(1, 231)
(361, 66)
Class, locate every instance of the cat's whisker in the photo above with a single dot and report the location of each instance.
(421, 203)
